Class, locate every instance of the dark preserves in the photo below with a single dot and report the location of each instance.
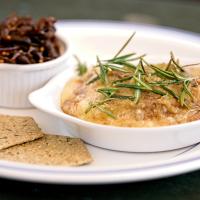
(25, 41)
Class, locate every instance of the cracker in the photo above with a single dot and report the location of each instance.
(17, 130)
(49, 150)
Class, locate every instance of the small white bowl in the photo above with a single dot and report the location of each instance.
(155, 139)
(18, 81)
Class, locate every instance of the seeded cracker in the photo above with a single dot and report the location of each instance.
(17, 130)
(49, 150)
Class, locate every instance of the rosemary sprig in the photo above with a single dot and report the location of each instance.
(81, 67)
(134, 86)
(189, 65)
(165, 83)
(163, 73)
(116, 68)
(142, 66)
(145, 85)
(99, 105)
(171, 92)
(138, 81)
(124, 46)
(185, 85)
(185, 91)
(168, 65)
(130, 85)
(122, 80)
(137, 93)
(182, 97)
(108, 92)
(173, 60)
(103, 72)
(119, 58)
(93, 80)
(178, 76)
(123, 97)
(111, 93)
(127, 64)
(125, 58)
(106, 111)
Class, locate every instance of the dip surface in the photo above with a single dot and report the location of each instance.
(152, 110)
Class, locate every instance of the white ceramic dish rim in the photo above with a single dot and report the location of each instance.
(77, 176)
(40, 66)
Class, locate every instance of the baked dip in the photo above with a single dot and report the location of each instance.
(128, 91)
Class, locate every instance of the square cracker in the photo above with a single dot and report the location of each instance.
(17, 130)
(49, 150)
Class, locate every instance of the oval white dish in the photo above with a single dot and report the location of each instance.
(118, 138)
(17, 81)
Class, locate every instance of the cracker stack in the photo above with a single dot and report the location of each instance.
(22, 140)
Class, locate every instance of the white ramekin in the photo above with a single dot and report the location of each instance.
(157, 45)
(133, 139)
(17, 81)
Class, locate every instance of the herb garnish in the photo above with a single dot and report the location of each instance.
(81, 67)
(99, 106)
(135, 77)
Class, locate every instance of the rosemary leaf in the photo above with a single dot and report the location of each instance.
(178, 76)
(136, 58)
(126, 64)
(171, 92)
(106, 111)
(124, 46)
(159, 92)
(163, 73)
(129, 85)
(137, 93)
(182, 97)
(161, 83)
(122, 97)
(98, 103)
(145, 85)
(142, 66)
(168, 65)
(121, 57)
(175, 62)
(93, 80)
(108, 92)
(122, 80)
(185, 85)
(193, 64)
(113, 67)
(184, 91)
(126, 59)
(81, 67)
(103, 72)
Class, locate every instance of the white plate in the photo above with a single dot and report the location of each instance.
(108, 166)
